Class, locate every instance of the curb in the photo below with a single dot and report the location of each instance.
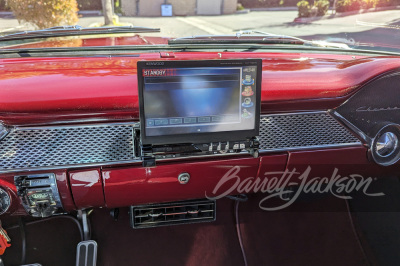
(9, 14)
(6, 14)
(90, 13)
(244, 11)
(283, 8)
(308, 20)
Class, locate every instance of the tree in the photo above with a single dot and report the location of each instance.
(45, 13)
(108, 12)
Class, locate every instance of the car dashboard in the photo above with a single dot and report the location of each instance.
(71, 127)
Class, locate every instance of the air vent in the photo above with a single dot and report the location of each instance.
(173, 213)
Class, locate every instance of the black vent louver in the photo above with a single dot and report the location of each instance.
(173, 213)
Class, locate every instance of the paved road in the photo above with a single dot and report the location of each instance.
(377, 27)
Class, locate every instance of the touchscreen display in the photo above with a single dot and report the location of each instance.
(196, 100)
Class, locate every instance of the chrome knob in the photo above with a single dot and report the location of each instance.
(183, 178)
(386, 144)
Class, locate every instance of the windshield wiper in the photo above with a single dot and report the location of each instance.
(74, 31)
(253, 37)
(241, 37)
(232, 39)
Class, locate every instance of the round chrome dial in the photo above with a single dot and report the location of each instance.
(385, 147)
(5, 201)
(386, 144)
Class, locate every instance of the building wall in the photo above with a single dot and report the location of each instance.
(149, 8)
(229, 6)
(183, 7)
(209, 7)
(128, 8)
(152, 8)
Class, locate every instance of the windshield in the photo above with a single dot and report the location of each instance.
(358, 24)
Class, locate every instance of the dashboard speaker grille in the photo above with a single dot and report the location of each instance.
(183, 212)
(308, 130)
(59, 146)
(62, 146)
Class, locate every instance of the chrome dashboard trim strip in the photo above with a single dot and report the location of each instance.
(296, 113)
(264, 151)
(317, 147)
(133, 124)
(69, 167)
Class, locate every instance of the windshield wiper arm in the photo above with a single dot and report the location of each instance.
(305, 42)
(241, 37)
(74, 31)
(254, 37)
(233, 39)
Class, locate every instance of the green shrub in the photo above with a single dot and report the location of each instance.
(353, 5)
(304, 8)
(239, 7)
(45, 13)
(368, 4)
(263, 3)
(322, 7)
(348, 5)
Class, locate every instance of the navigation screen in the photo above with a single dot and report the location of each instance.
(188, 100)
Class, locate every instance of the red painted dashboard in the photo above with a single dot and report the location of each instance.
(43, 92)
(48, 90)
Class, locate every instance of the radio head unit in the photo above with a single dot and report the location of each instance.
(199, 101)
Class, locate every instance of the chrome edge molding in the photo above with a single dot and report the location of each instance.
(352, 128)
(316, 147)
(4, 130)
(69, 167)
(133, 124)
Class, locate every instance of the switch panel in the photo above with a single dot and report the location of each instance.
(39, 194)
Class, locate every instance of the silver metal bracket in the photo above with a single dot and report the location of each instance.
(82, 216)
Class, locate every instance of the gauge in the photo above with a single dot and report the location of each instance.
(5, 201)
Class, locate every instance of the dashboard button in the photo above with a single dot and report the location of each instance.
(235, 145)
(215, 146)
(223, 146)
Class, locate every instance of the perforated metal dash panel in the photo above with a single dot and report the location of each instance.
(303, 130)
(59, 146)
(41, 147)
